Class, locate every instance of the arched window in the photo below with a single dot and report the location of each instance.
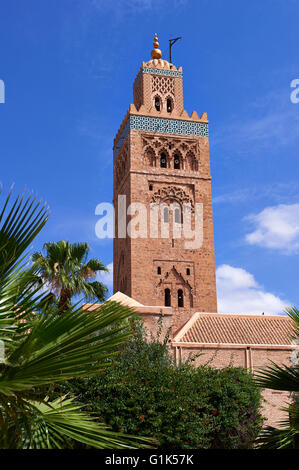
(177, 162)
(159, 270)
(166, 215)
(177, 216)
(163, 160)
(188, 271)
(180, 298)
(157, 103)
(169, 105)
(167, 297)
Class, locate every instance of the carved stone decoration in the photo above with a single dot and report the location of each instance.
(163, 84)
(138, 95)
(174, 280)
(150, 156)
(170, 193)
(121, 163)
(186, 148)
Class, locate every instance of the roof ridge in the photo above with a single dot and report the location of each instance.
(244, 315)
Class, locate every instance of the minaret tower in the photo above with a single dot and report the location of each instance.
(161, 156)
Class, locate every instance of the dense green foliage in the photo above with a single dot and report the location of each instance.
(39, 348)
(144, 393)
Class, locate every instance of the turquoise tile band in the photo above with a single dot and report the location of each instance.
(162, 125)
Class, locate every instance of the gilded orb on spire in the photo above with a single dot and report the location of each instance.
(156, 53)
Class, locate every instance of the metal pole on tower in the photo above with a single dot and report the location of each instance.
(171, 43)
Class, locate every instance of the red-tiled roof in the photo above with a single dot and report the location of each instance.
(212, 328)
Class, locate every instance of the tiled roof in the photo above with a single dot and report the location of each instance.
(136, 306)
(117, 297)
(212, 328)
(125, 300)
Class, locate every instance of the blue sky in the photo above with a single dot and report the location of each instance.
(68, 68)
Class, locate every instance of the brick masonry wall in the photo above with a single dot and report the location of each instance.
(138, 176)
(146, 254)
(156, 323)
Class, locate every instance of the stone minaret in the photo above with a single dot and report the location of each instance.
(161, 156)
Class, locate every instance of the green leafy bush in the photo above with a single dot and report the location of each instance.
(182, 407)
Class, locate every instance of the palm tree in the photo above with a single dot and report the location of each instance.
(283, 378)
(42, 349)
(65, 269)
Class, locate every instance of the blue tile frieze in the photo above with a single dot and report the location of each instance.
(161, 125)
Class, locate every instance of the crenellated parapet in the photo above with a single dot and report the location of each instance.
(136, 120)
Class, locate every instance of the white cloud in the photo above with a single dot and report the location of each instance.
(107, 278)
(239, 292)
(276, 227)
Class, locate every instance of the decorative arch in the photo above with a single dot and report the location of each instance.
(175, 288)
(163, 158)
(191, 161)
(150, 156)
(172, 193)
(177, 160)
(138, 94)
(167, 297)
(180, 298)
(121, 163)
(169, 103)
(157, 102)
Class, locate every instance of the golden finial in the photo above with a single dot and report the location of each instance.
(156, 53)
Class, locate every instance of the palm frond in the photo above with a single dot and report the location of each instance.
(99, 291)
(19, 226)
(279, 377)
(293, 313)
(73, 345)
(272, 438)
(24, 221)
(95, 265)
(79, 251)
(64, 417)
